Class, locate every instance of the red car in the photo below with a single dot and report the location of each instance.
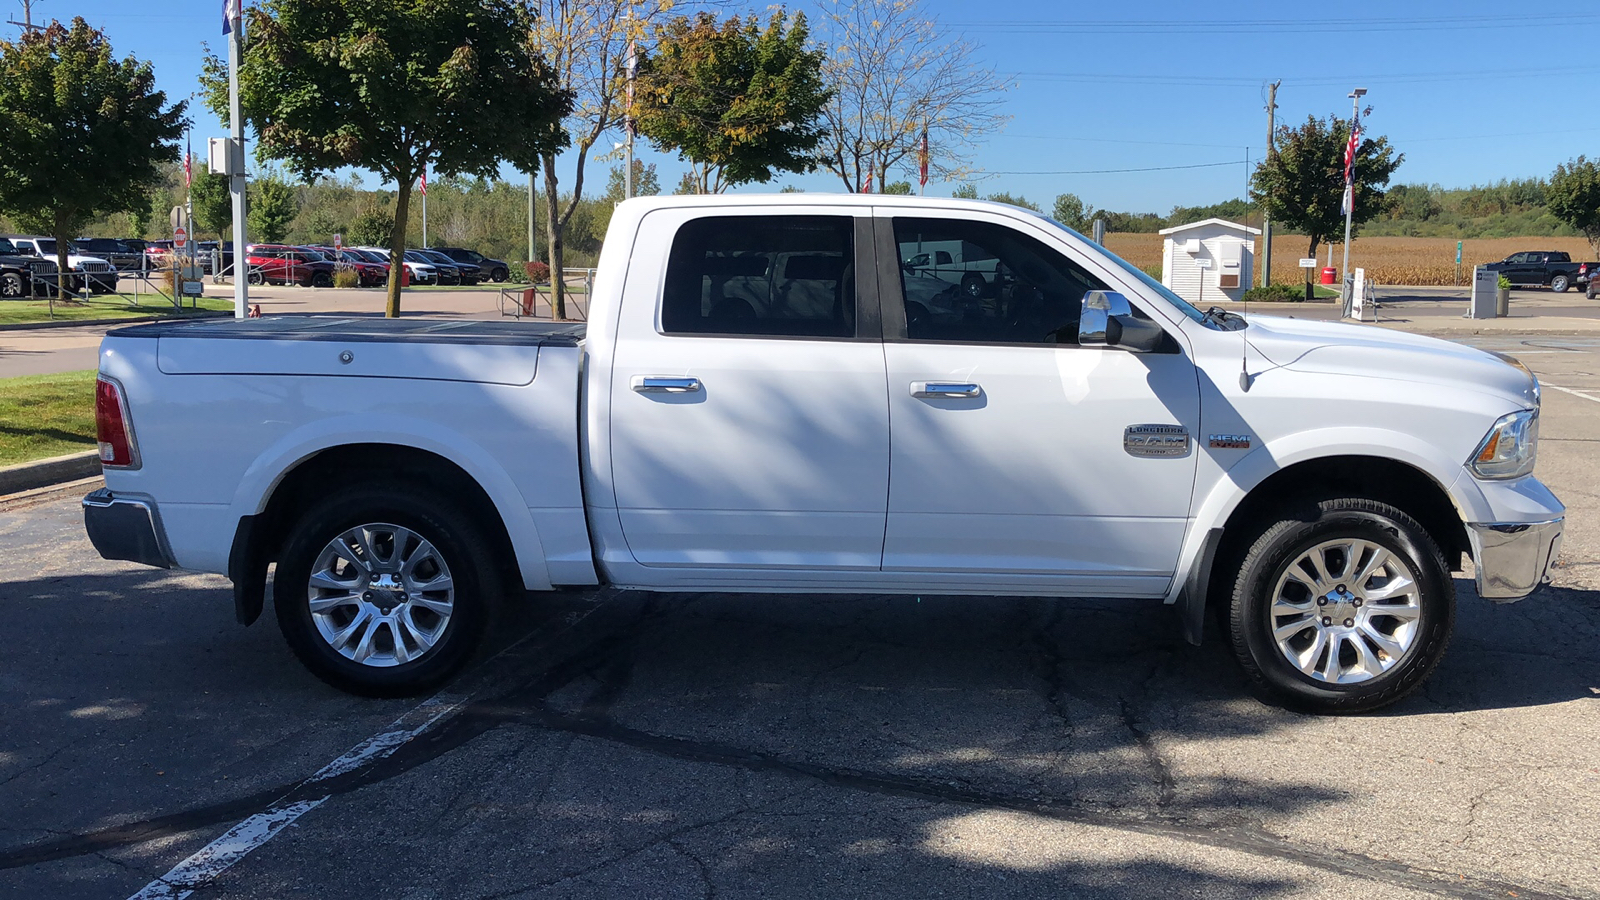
(372, 274)
(282, 264)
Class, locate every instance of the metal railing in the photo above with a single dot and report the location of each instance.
(533, 301)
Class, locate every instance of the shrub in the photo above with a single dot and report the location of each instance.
(346, 278)
(1503, 283)
(537, 272)
(1275, 293)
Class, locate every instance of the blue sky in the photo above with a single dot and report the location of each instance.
(1469, 92)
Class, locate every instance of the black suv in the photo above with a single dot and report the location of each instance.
(116, 252)
(493, 269)
(23, 275)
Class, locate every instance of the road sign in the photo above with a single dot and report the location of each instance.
(1308, 262)
(338, 242)
(1458, 253)
(179, 236)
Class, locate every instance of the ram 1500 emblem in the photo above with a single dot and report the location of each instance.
(1158, 441)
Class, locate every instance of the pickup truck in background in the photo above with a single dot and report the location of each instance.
(1544, 268)
(756, 405)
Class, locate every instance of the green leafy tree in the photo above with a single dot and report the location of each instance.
(394, 87)
(213, 203)
(1573, 196)
(738, 101)
(273, 205)
(1302, 184)
(84, 133)
(688, 184)
(902, 188)
(371, 227)
(1071, 211)
(968, 191)
(645, 183)
(1023, 202)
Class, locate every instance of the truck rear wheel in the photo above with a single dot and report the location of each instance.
(1341, 606)
(384, 590)
(1559, 284)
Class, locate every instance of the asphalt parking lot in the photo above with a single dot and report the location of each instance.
(629, 745)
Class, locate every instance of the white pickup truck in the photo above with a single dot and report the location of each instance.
(755, 405)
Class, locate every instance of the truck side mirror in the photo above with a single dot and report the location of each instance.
(1107, 320)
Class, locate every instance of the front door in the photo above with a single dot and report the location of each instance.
(749, 425)
(1016, 454)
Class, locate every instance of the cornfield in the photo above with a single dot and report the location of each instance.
(1388, 260)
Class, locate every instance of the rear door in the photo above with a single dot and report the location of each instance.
(749, 424)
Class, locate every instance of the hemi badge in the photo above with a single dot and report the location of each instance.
(1156, 441)
(1230, 441)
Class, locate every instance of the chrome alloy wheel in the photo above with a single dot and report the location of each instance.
(1345, 611)
(381, 595)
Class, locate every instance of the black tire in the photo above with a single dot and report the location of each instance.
(1560, 283)
(460, 544)
(973, 285)
(254, 278)
(321, 280)
(11, 286)
(499, 275)
(1282, 544)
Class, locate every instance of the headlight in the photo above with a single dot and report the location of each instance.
(1508, 450)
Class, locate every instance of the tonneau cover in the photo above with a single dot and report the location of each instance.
(365, 328)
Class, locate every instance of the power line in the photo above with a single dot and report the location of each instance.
(1231, 162)
(1057, 137)
(1275, 26)
(1312, 81)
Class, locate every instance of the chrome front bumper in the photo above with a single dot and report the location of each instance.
(1513, 559)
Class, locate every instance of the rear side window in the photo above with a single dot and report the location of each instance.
(787, 276)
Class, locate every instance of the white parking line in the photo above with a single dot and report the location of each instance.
(1575, 393)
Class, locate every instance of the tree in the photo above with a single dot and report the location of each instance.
(371, 227)
(894, 72)
(273, 205)
(1071, 211)
(968, 191)
(585, 43)
(213, 204)
(1573, 196)
(645, 183)
(902, 188)
(739, 102)
(688, 184)
(394, 87)
(1004, 197)
(1302, 184)
(85, 133)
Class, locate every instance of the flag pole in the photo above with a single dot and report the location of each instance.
(424, 205)
(233, 24)
(1350, 194)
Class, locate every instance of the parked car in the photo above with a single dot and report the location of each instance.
(448, 273)
(370, 274)
(98, 274)
(283, 264)
(1536, 268)
(24, 275)
(496, 270)
(724, 423)
(962, 263)
(467, 273)
(420, 272)
(112, 250)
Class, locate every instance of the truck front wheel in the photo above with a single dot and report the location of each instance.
(1341, 606)
(383, 591)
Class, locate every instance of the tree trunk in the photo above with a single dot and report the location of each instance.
(558, 299)
(397, 248)
(1313, 251)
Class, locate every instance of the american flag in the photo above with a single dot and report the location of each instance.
(922, 158)
(1350, 166)
(633, 73)
(188, 175)
(424, 181)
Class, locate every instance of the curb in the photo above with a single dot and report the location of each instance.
(45, 472)
(137, 320)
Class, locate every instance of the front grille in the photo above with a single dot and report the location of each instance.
(98, 267)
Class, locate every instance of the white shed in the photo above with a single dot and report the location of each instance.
(1209, 260)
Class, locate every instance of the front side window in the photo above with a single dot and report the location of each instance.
(992, 284)
(789, 276)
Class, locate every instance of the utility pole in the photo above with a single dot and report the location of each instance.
(27, 18)
(1351, 147)
(1266, 217)
(233, 26)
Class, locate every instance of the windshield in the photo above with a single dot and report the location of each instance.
(48, 245)
(1144, 278)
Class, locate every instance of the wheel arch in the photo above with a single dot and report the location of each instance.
(265, 519)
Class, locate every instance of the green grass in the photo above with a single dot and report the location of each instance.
(46, 415)
(105, 306)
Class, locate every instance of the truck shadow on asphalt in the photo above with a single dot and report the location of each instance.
(658, 724)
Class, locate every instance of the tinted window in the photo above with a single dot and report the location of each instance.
(762, 275)
(1003, 286)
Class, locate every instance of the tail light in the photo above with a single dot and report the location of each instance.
(113, 429)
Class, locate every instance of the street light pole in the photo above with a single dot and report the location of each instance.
(1350, 194)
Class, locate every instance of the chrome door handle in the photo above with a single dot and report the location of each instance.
(664, 384)
(945, 389)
